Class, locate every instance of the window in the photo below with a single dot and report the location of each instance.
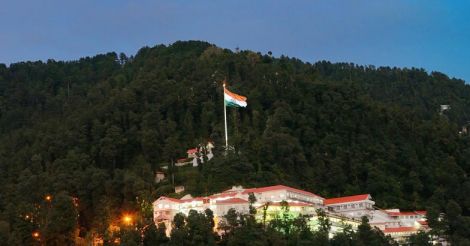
(361, 205)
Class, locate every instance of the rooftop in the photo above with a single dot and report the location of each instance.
(404, 213)
(399, 229)
(279, 187)
(231, 201)
(170, 199)
(191, 151)
(346, 199)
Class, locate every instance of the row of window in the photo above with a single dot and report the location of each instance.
(352, 206)
(410, 217)
(300, 197)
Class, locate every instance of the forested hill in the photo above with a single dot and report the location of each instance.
(96, 129)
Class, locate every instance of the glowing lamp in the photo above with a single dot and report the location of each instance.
(127, 219)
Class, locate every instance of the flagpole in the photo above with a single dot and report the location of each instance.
(225, 119)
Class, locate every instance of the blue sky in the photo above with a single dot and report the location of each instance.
(431, 34)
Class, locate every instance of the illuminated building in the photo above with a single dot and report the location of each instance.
(341, 211)
(393, 222)
(165, 208)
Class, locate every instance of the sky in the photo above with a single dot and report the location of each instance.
(429, 34)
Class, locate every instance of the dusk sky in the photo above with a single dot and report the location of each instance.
(431, 34)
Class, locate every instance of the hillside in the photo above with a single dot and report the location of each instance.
(96, 129)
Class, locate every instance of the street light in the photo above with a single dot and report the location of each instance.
(127, 219)
(36, 235)
(48, 198)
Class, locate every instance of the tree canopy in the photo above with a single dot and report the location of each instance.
(95, 130)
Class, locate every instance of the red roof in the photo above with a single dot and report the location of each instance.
(399, 229)
(231, 201)
(170, 199)
(191, 151)
(346, 199)
(422, 212)
(278, 187)
(423, 222)
(194, 199)
(406, 213)
(222, 195)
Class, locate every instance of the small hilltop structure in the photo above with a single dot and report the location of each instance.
(197, 155)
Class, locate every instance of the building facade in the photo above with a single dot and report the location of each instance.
(341, 210)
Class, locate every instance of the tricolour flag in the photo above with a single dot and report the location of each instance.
(234, 100)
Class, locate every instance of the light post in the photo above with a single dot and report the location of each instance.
(127, 219)
(48, 199)
(36, 236)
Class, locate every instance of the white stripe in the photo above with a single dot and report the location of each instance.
(233, 100)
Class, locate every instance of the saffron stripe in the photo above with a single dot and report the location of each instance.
(234, 96)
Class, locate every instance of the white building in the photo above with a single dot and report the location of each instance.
(393, 222)
(351, 206)
(196, 155)
(279, 193)
(166, 208)
(159, 177)
(340, 210)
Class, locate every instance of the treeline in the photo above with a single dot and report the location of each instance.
(197, 228)
(96, 129)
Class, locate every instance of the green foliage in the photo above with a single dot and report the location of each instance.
(4, 232)
(155, 236)
(420, 239)
(97, 129)
(195, 229)
(241, 229)
(366, 235)
(129, 237)
(60, 221)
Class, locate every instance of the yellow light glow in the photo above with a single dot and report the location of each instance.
(127, 219)
(48, 198)
(35, 234)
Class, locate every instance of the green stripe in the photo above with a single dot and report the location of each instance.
(231, 104)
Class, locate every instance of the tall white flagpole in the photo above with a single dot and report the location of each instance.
(225, 119)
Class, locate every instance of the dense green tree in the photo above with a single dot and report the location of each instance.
(179, 233)
(4, 233)
(99, 127)
(154, 235)
(129, 237)
(366, 235)
(60, 220)
(420, 239)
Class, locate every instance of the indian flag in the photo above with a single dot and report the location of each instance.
(234, 100)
